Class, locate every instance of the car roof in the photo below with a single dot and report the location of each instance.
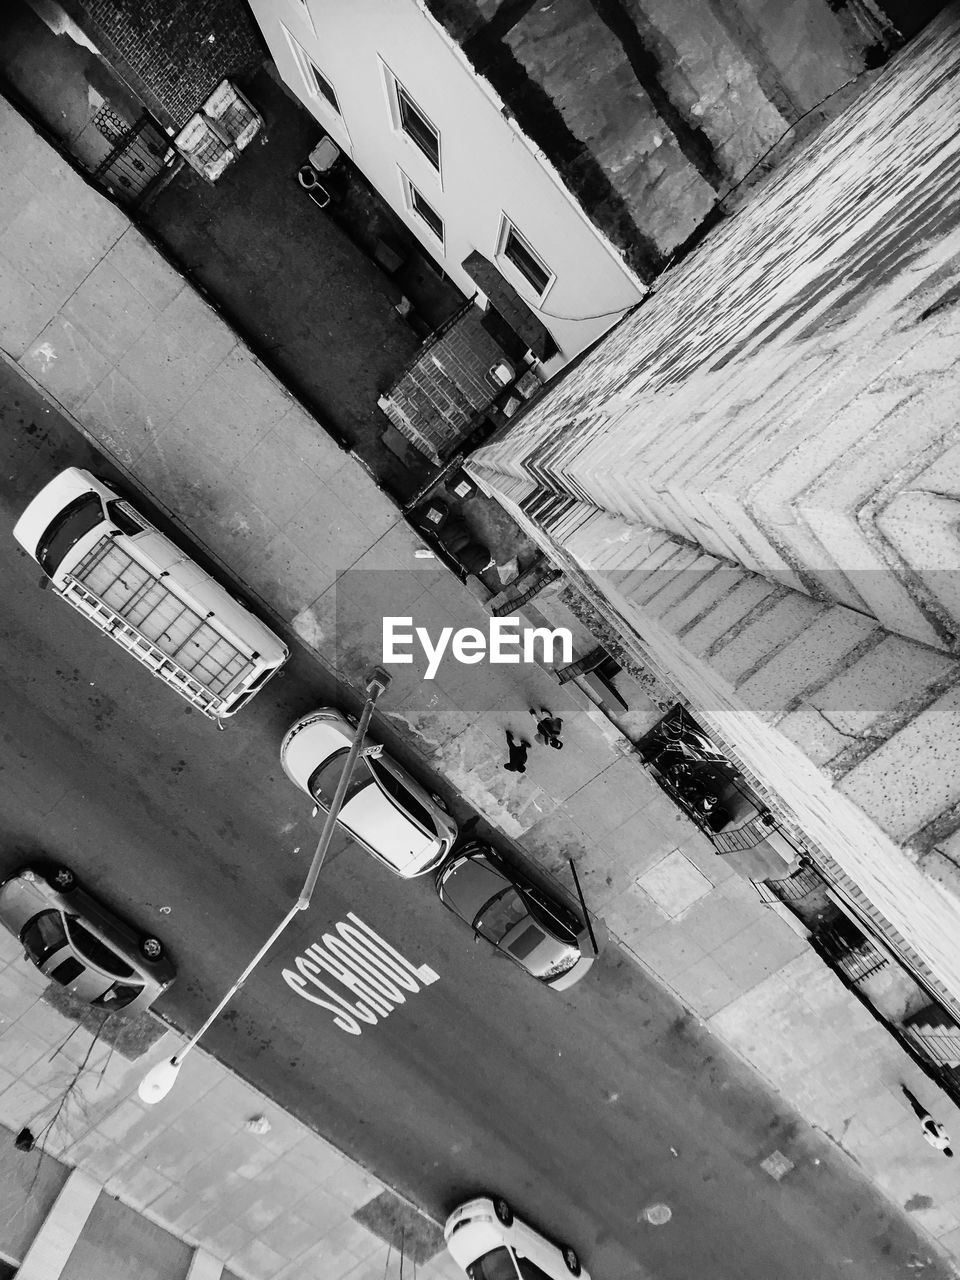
(470, 885)
(313, 743)
(376, 820)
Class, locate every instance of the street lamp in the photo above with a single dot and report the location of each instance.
(159, 1080)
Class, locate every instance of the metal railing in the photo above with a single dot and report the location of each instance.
(804, 881)
(856, 960)
(138, 157)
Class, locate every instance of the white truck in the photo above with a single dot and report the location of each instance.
(142, 591)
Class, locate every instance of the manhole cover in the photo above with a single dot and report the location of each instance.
(777, 1165)
(658, 1214)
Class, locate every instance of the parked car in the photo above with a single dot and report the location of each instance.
(104, 557)
(489, 1243)
(384, 809)
(536, 929)
(78, 942)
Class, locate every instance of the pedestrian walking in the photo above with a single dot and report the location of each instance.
(518, 748)
(548, 728)
(932, 1130)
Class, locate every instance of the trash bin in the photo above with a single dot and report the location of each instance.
(324, 155)
(309, 179)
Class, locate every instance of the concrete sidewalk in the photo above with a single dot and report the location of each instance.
(215, 1163)
(114, 337)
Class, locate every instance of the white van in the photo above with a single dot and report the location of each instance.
(142, 591)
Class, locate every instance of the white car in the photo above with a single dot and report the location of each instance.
(384, 808)
(489, 1243)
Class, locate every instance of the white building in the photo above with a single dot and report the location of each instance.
(399, 97)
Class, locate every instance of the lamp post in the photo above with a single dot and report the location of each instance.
(159, 1080)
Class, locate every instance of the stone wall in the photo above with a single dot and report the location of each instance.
(654, 110)
(758, 472)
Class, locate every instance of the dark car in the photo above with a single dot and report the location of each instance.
(532, 926)
(78, 942)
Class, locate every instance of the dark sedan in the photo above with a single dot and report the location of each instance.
(535, 928)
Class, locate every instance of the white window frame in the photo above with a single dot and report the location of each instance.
(303, 6)
(509, 228)
(394, 88)
(307, 66)
(411, 193)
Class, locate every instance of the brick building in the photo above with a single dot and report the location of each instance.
(172, 53)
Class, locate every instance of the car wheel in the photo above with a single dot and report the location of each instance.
(502, 1210)
(571, 1261)
(439, 802)
(151, 948)
(64, 879)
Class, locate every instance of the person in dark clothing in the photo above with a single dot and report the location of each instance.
(518, 748)
(932, 1130)
(548, 728)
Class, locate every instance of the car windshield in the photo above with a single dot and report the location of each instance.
(96, 952)
(72, 524)
(500, 915)
(554, 918)
(43, 935)
(323, 781)
(397, 791)
(123, 518)
(496, 1265)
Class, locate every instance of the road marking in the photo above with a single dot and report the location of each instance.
(373, 972)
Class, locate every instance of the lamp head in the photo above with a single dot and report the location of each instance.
(158, 1081)
(377, 682)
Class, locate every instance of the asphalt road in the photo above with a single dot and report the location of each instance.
(582, 1109)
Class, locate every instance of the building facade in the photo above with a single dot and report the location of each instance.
(554, 159)
(398, 98)
(755, 478)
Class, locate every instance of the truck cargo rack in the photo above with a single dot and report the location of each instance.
(134, 607)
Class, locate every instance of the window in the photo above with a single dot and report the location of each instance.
(529, 1270)
(416, 126)
(531, 266)
(317, 84)
(123, 518)
(555, 918)
(324, 87)
(498, 1264)
(43, 935)
(305, 9)
(422, 208)
(323, 782)
(403, 798)
(118, 996)
(90, 948)
(65, 531)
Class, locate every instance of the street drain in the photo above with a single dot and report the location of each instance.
(777, 1165)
